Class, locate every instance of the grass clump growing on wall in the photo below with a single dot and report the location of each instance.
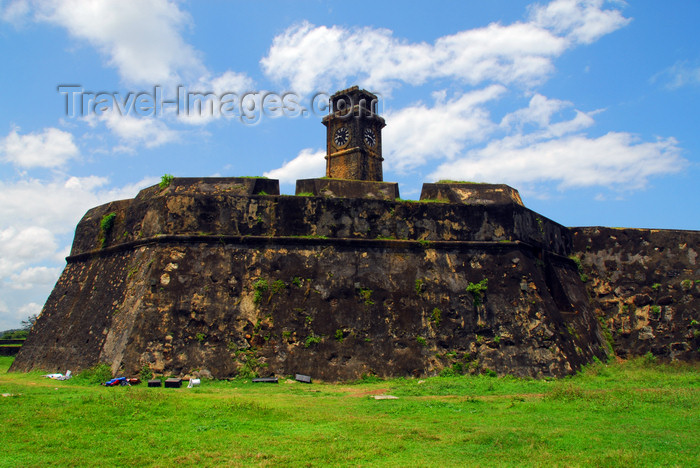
(259, 287)
(579, 267)
(106, 225)
(449, 181)
(436, 316)
(166, 180)
(478, 290)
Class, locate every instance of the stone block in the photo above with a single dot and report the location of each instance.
(214, 186)
(265, 380)
(342, 188)
(155, 383)
(303, 378)
(471, 194)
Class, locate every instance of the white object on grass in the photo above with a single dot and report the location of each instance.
(193, 383)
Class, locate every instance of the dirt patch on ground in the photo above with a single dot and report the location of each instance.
(358, 393)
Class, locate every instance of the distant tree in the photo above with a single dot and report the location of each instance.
(29, 323)
(15, 334)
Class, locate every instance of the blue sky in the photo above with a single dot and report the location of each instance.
(585, 106)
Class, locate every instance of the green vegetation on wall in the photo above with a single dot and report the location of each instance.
(165, 180)
(106, 225)
(478, 290)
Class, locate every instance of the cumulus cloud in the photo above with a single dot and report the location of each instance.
(540, 143)
(534, 122)
(26, 244)
(615, 160)
(316, 57)
(419, 132)
(35, 276)
(142, 40)
(33, 213)
(580, 21)
(10, 317)
(229, 82)
(216, 97)
(36, 216)
(29, 309)
(149, 132)
(57, 205)
(305, 165)
(50, 148)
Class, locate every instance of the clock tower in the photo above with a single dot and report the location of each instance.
(354, 136)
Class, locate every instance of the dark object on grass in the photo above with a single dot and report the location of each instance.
(116, 382)
(155, 383)
(265, 380)
(303, 378)
(173, 383)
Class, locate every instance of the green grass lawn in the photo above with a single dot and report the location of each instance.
(632, 414)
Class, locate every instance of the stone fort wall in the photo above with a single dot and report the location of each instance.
(215, 276)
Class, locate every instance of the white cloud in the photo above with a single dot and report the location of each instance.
(581, 21)
(418, 133)
(539, 111)
(15, 12)
(11, 317)
(309, 163)
(28, 243)
(217, 97)
(26, 310)
(35, 276)
(142, 39)
(537, 118)
(55, 205)
(36, 216)
(50, 149)
(680, 74)
(319, 57)
(615, 160)
(150, 132)
(229, 82)
(33, 212)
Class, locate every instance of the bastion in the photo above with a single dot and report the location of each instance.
(225, 277)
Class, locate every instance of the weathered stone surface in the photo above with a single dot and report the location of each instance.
(353, 112)
(645, 285)
(211, 313)
(155, 213)
(474, 194)
(214, 186)
(348, 188)
(334, 288)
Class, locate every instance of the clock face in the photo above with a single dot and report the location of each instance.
(369, 137)
(341, 137)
